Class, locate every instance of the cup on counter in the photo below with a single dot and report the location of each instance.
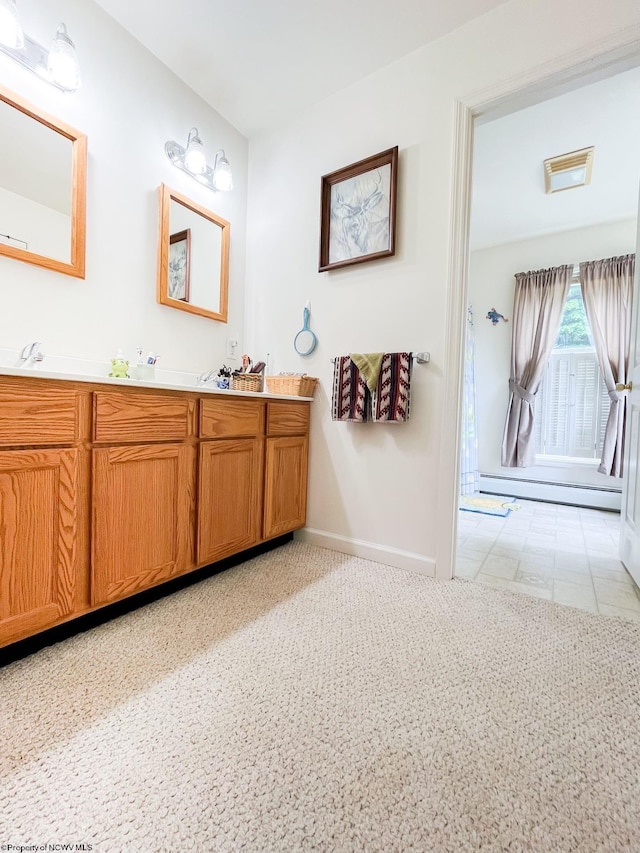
(144, 372)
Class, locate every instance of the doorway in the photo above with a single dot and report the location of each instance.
(561, 553)
(545, 548)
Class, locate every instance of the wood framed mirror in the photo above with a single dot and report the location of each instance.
(193, 257)
(43, 177)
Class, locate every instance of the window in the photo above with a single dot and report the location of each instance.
(572, 405)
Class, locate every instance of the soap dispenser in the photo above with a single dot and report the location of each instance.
(119, 366)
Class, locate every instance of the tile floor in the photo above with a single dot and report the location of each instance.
(561, 553)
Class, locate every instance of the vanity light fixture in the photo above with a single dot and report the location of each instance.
(193, 161)
(62, 62)
(222, 177)
(58, 65)
(11, 34)
(568, 170)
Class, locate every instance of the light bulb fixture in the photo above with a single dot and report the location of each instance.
(193, 161)
(222, 177)
(11, 34)
(58, 65)
(194, 157)
(62, 62)
(568, 170)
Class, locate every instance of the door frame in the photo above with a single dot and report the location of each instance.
(593, 62)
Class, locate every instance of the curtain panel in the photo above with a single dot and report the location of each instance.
(538, 304)
(469, 473)
(607, 291)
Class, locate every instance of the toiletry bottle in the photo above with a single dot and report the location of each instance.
(119, 366)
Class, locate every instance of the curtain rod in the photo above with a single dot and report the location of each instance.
(576, 267)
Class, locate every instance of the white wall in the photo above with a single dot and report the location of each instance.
(491, 284)
(45, 230)
(377, 484)
(129, 105)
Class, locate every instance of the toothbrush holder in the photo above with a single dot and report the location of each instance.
(145, 372)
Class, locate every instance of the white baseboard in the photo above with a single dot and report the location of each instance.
(368, 551)
(573, 495)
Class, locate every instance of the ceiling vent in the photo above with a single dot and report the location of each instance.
(568, 170)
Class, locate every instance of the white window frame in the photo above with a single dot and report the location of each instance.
(565, 432)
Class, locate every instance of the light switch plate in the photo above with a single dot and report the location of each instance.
(232, 347)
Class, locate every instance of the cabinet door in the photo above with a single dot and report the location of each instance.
(142, 517)
(38, 538)
(229, 497)
(285, 495)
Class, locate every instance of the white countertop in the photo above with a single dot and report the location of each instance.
(78, 370)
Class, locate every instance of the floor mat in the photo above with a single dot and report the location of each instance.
(489, 504)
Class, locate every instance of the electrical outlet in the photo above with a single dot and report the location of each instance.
(232, 347)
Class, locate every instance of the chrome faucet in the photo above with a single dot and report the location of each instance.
(207, 376)
(32, 353)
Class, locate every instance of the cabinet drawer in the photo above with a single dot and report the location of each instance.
(139, 417)
(287, 418)
(231, 418)
(40, 416)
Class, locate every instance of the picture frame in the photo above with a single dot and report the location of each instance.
(179, 264)
(358, 212)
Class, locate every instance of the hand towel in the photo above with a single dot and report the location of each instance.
(369, 364)
(351, 398)
(391, 399)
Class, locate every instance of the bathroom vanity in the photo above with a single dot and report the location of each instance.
(109, 489)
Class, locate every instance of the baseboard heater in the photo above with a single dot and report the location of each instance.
(593, 497)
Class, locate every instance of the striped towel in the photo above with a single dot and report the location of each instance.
(352, 401)
(392, 397)
(351, 397)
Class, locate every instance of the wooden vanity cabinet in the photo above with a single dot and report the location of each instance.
(143, 493)
(229, 477)
(142, 517)
(229, 497)
(107, 492)
(43, 520)
(38, 535)
(286, 464)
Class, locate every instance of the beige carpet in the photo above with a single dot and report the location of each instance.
(307, 700)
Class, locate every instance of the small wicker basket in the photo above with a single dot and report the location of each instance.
(298, 386)
(247, 381)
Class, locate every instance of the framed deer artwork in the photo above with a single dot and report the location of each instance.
(358, 212)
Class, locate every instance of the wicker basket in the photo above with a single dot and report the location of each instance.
(299, 386)
(247, 381)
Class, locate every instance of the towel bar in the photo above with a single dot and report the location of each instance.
(419, 357)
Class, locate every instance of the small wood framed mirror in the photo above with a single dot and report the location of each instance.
(43, 176)
(193, 257)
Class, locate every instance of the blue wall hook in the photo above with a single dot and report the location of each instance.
(495, 317)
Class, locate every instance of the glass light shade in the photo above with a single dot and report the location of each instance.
(570, 178)
(222, 177)
(11, 33)
(62, 63)
(195, 159)
(568, 170)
